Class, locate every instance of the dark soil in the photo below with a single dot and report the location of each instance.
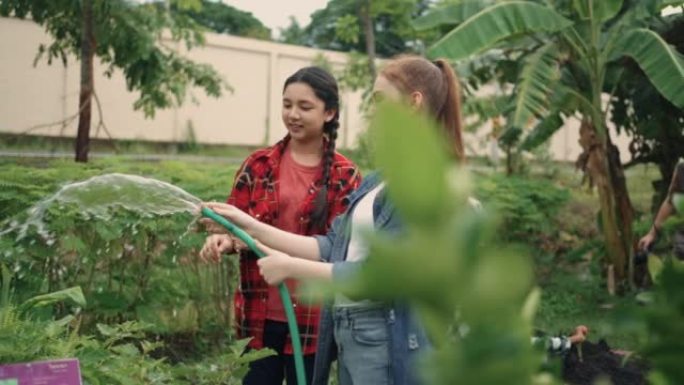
(598, 361)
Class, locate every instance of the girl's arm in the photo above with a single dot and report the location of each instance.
(298, 245)
(277, 266)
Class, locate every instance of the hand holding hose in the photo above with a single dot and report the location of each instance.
(274, 267)
(230, 212)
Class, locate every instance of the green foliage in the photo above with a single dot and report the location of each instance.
(224, 369)
(294, 34)
(503, 20)
(130, 267)
(617, 34)
(662, 333)
(665, 347)
(141, 277)
(528, 207)
(450, 14)
(338, 26)
(116, 360)
(659, 61)
(220, 17)
(583, 44)
(119, 354)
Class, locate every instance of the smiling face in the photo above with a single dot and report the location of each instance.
(304, 113)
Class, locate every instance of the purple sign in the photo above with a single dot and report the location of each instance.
(56, 372)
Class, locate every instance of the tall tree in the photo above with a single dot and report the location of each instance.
(570, 51)
(223, 18)
(294, 34)
(125, 36)
(344, 25)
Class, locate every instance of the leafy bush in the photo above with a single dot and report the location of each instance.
(527, 207)
(118, 355)
(130, 266)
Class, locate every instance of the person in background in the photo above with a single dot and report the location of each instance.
(666, 210)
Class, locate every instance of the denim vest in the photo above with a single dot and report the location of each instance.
(407, 336)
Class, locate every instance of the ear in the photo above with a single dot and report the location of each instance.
(417, 99)
(330, 115)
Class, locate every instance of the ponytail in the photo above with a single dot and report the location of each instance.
(439, 85)
(450, 113)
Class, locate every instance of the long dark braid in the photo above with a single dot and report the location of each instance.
(325, 87)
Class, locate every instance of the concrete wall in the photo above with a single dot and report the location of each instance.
(250, 115)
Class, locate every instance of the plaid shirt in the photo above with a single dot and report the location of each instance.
(255, 191)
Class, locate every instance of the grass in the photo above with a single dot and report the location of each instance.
(26, 143)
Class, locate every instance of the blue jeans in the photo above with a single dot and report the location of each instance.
(362, 338)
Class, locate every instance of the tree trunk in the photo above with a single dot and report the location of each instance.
(601, 163)
(86, 93)
(624, 208)
(369, 31)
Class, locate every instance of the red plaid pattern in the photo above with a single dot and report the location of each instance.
(255, 191)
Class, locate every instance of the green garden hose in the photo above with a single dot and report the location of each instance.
(284, 293)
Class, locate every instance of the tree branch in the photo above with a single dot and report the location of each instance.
(101, 123)
(64, 121)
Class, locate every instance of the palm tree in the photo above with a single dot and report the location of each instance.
(571, 51)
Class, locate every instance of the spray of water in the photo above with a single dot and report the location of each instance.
(97, 196)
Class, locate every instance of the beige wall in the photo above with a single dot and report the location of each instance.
(250, 115)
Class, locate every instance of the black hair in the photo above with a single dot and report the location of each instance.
(325, 87)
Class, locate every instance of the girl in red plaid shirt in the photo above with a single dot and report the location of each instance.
(298, 185)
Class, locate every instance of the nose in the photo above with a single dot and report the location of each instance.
(293, 113)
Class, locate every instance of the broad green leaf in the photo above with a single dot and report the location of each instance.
(661, 62)
(72, 242)
(451, 14)
(536, 82)
(564, 101)
(531, 304)
(72, 294)
(106, 330)
(602, 9)
(417, 179)
(127, 350)
(678, 201)
(655, 267)
(645, 297)
(496, 23)
(542, 132)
